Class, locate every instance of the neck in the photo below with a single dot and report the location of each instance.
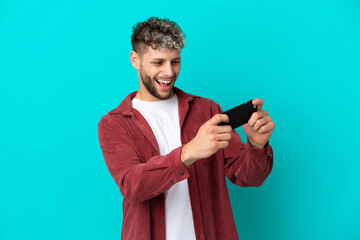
(146, 96)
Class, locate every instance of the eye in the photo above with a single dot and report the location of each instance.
(176, 62)
(157, 63)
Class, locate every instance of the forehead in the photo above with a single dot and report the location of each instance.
(166, 54)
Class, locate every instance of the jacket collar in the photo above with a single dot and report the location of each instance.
(125, 107)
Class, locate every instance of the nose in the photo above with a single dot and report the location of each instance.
(168, 70)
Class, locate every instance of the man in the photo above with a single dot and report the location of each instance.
(166, 153)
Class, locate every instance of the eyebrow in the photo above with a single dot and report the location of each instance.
(161, 59)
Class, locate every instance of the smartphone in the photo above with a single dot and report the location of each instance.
(239, 115)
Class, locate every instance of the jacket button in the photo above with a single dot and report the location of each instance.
(161, 220)
(181, 173)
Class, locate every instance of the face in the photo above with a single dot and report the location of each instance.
(158, 71)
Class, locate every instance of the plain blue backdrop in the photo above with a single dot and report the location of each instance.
(64, 64)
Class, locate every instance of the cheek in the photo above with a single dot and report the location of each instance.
(177, 72)
(154, 74)
(150, 74)
(177, 69)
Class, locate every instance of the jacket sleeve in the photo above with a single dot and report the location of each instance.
(138, 180)
(247, 166)
(244, 165)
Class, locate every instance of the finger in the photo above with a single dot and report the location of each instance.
(222, 129)
(269, 127)
(218, 118)
(219, 129)
(258, 102)
(223, 137)
(223, 144)
(256, 116)
(261, 122)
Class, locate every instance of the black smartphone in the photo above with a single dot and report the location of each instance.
(239, 115)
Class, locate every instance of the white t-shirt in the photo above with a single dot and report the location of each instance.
(163, 118)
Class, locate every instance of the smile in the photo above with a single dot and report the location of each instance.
(164, 82)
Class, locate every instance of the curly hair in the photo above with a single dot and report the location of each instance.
(157, 33)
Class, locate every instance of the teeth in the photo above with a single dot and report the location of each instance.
(165, 81)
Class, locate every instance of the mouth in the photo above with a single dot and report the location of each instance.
(164, 84)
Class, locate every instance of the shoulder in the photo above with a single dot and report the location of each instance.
(113, 122)
(118, 115)
(201, 109)
(113, 125)
(195, 99)
(206, 103)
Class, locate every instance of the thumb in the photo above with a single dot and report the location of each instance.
(218, 118)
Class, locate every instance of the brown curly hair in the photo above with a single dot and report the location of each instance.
(157, 33)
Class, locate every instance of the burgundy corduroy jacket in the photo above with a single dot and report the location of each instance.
(132, 156)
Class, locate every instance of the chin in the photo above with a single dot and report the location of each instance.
(165, 96)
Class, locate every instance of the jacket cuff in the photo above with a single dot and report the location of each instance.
(260, 152)
(177, 167)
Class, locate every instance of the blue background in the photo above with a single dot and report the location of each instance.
(64, 64)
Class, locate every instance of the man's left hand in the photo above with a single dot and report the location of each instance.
(260, 126)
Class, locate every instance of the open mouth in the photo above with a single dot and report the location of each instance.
(164, 83)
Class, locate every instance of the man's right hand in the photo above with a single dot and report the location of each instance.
(209, 139)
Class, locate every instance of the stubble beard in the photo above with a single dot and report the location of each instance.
(150, 85)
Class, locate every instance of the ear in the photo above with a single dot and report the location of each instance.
(135, 60)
